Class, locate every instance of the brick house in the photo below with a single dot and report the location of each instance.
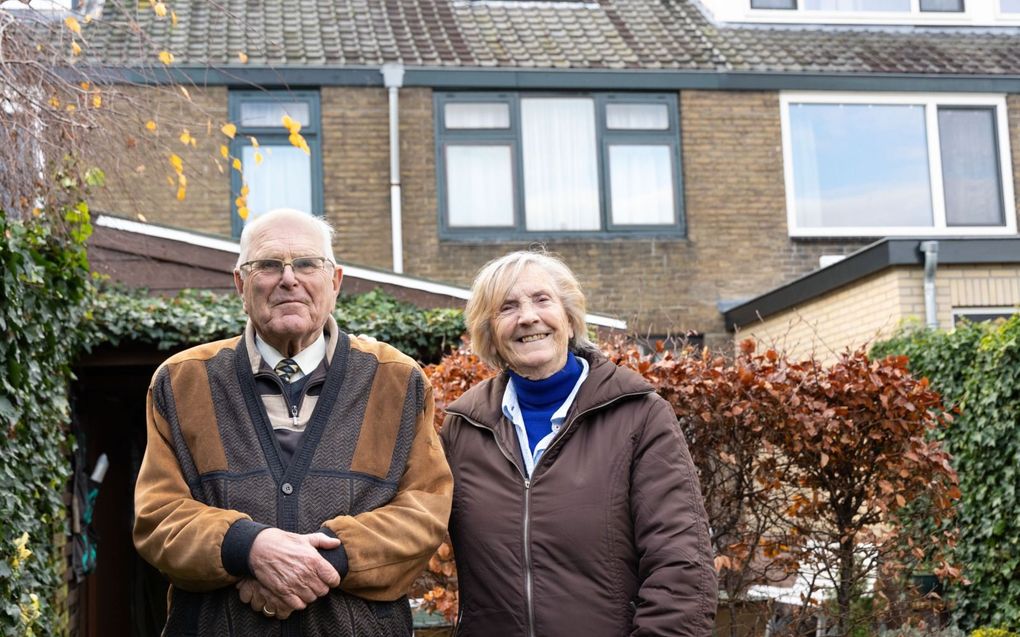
(683, 156)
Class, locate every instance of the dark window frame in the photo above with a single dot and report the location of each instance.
(268, 136)
(604, 138)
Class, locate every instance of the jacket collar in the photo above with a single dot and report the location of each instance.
(331, 330)
(606, 383)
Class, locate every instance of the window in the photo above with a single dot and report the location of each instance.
(982, 314)
(554, 164)
(278, 174)
(903, 6)
(879, 165)
(1009, 6)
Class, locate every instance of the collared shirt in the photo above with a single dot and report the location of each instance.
(512, 410)
(307, 359)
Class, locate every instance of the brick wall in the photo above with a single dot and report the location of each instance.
(137, 165)
(875, 306)
(737, 244)
(736, 247)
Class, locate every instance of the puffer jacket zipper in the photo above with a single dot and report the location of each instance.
(529, 482)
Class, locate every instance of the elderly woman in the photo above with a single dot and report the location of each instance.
(576, 507)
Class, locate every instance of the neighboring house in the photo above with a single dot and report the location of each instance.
(682, 156)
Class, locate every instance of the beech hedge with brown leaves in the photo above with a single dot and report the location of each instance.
(805, 468)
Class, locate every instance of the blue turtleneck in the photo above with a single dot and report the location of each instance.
(539, 399)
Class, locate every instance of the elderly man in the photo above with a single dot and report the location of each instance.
(292, 469)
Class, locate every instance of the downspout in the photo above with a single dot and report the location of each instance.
(931, 261)
(393, 79)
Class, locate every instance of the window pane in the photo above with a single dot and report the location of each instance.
(1010, 6)
(970, 167)
(857, 5)
(561, 183)
(282, 180)
(773, 4)
(471, 115)
(637, 116)
(270, 114)
(642, 185)
(942, 5)
(860, 165)
(479, 186)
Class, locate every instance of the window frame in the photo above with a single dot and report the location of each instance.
(975, 13)
(604, 137)
(931, 103)
(275, 136)
(965, 312)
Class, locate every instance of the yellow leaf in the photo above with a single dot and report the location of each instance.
(54, 102)
(85, 86)
(185, 137)
(242, 212)
(75, 48)
(241, 55)
(176, 162)
(236, 164)
(180, 193)
(291, 125)
(88, 18)
(72, 24)
(141, 217)
(229, 130)
(254, 142)
(182, 181)
(71, 108)
(150, 126)
(258, 158)
(244, 190)
(97, 101)
(224, 151)
(299, 141)
(173, 18)
(167, 58)
(160, 9)
(185, 92)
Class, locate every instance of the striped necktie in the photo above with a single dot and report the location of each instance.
(285, 369)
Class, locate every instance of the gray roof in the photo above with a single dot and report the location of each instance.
(518, 34)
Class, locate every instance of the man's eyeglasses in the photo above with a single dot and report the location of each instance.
(302, 266)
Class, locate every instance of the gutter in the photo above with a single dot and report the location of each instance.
(393, 79)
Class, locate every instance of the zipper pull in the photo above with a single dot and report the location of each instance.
(527, 484)
(293, 414)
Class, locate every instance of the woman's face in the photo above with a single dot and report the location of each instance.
(531, 328)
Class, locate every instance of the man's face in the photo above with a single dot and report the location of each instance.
(288, 310)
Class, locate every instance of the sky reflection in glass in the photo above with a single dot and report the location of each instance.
(860, 165)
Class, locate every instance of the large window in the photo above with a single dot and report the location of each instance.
(552, 164)
(878, 165)
(864, 6)
(277, 173)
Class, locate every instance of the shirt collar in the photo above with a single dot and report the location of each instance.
(306, 360)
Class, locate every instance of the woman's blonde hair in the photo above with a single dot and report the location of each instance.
(493, 283)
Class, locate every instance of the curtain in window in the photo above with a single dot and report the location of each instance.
(970, 167)
(479, 186)
(561, 182)
(477, 115)
(857, 5)
(270, 114)
(641, 184)
(282, 180)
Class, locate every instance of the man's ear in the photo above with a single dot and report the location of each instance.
(239, 286)
(338, 278)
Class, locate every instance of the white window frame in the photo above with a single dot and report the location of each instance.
(963, 312)
(931, 102)
(975, 13)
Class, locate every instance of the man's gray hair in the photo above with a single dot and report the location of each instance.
(286, 214)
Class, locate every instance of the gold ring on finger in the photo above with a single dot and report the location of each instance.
(268, 612)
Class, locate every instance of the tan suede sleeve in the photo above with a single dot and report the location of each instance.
(175, 533)
(388, 547)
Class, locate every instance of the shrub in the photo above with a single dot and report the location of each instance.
(977, 367)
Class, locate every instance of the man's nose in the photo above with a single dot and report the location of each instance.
(288, 277)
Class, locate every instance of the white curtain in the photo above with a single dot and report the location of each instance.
(642, 185)
(476, 115)
(479, 186)
(561, 181)
(270, 114)
(637, 117)
(857, 5)
(282, 180)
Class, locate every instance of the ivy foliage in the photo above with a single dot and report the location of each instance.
(977, 368)
(193, 316)
(44, 296)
